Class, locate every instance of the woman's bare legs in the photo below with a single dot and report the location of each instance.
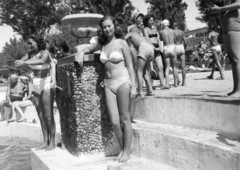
(120, 118)
(234, 56)
(159, 63)
(18, 104)
(167, 68)
(47, 105)
(217, 61)
(38, 105)
(123, 94)
(112, 105)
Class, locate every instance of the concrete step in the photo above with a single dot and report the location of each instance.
(185, 149)
(61, 159)
(221, 115)
(139, 164)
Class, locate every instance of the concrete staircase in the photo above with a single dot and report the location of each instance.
(196, 133)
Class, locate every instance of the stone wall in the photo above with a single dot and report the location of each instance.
(85, 123)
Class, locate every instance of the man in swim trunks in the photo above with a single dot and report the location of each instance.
(167, 35)
(216, 51)
(181, 44)
(14, 92)
(145, 54)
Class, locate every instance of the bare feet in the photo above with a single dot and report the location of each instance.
(165, 87)
(119, 156)
(235, 95)
(50, 147)
(42, 146)
(220, 78)
(150, 94)
(210, 77)
(139, 97)
(125, 157)
(22, 119)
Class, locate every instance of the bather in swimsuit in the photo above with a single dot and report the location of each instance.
(180, 49)
(152, 35)
(15, 98)
(115, 57)
(169, 50)
(41, 83)
(217, 48)
(114, 83)
(146, 51)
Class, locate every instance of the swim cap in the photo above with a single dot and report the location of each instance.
(165, 22)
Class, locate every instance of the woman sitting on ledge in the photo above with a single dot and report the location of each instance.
(119, 80)
(27, 101)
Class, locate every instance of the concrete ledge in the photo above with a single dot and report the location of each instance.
(139, 164)
(25, 130)
(59, 159)
(186, 149)
(214, 114)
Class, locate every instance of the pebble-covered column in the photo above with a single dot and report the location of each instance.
(85, 123)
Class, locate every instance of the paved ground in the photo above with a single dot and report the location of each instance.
(197, 86)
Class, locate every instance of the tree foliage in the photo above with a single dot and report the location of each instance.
(173, 10)
(14, 50)
(204, 6)
(31, 16)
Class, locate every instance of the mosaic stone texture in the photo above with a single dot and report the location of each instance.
(85, 123)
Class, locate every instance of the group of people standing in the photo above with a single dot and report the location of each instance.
(127, 58)
(38, 85)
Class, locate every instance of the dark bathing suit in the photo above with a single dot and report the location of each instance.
(15, 98)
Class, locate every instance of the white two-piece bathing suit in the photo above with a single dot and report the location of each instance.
(40, 83)
(114, 83)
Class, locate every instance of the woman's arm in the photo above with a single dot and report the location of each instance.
(233, 6)
(30, 90)
(45, 57)
(80, 54)
(145, 34)
(8, 95)
(129, 63)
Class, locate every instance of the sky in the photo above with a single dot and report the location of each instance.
(191, 12)
(6, 32)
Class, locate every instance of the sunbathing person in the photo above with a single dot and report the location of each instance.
(145, 54)
(14, 93)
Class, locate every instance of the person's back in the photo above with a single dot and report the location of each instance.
(167, 36)
(179, 36)
(213, 38)
(136, 39)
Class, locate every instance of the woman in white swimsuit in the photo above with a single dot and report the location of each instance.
(39, 59)
(119, 80)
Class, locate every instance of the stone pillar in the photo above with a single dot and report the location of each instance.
(85, 123)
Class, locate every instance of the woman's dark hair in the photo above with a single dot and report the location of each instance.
(60, 44)
(146, 19)
(102, 37)
(41, 44)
